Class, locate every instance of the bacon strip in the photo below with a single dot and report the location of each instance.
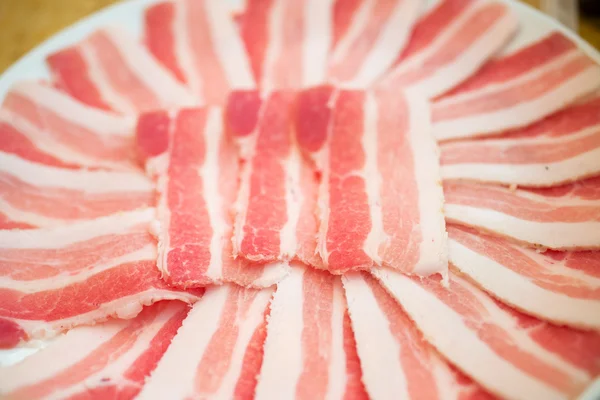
(562, 287)
(559, 149)
(198, 42)
(562, 217)
(308, 332)
(517, 90)
(110, 360)
(109, 70)
(54, 279)
(510, 354)
(450, 43)
(217, 353)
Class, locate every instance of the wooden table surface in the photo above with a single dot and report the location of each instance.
(26, 23)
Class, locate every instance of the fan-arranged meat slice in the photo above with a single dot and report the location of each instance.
(110, 70)
(38, 195)
(559, 149)
(517, 90)
(397, 361)
(510, 354)
(368, 36)
(562, 217)
(111, 360)
(217, 352)
(381, 196)
(450, 43)
(198, 42)
(56, 278)
(197, 182)
(310, 351)
(44, 125)
(563, 287)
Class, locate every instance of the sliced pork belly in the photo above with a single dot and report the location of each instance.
(559, 149)
(510, 354)
(38, 195)
(110, 360)
(53, 279)
(110, 70)
(217, 353)
(397, 361)
(562, 287)
(517, 89)
(47, 126)
(450, 43)
(198, 42)
(310, 351)
(562, 217)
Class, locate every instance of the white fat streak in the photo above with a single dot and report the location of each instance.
(444, 377)
(317, 41)
(182, 48)
(553, 235)
(446, 331)
(31, 218)
(275, 44)
(284, 340)
(272, 273)
(378, 350)
(337, 362)
(293, 202)
(356, 28)
(519, 291)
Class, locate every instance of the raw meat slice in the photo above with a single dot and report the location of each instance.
(517, 90)
(562, 287)
(111, 360)
(217, 353)
(62, 131)
(197, 184)
(198, 42)
(508, 353)
(398, 362)
(450, 43)
(309, 352)
(381, 198)
(369, 36)
(53, 279)
(287, 41)
(562, 217)
(559, 149)
(110, 70)
(40, 195)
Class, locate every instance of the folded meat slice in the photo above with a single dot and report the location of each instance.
(110, 70)
(198, 42)
(508, 353)
(110, 360)
(562, 217)
(217, 352)
(53, 279)
(559, 149)
(517, 89)
(310, 351)
(562, 287)
(450, 43)
(397, 361)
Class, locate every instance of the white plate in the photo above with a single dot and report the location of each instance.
(129, 15)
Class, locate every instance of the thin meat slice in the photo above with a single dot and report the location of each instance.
(39, 195)
(217, 353)
(111, 71)
(110, 360)
(559, 149)
(198, 42)
(516, 90)
(562, 287)
(381, 198)
(562, 217)
(309, 352)
(369, 35)
(450, 43)
(397, 361)
(62, 131)
(53, 279)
